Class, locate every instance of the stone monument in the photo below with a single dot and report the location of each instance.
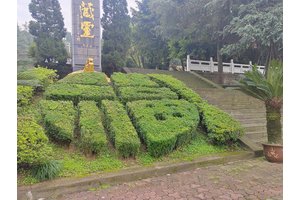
(86, 34)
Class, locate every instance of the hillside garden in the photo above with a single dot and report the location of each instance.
(83, 124)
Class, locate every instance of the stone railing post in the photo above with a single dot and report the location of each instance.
(188, 62)
(232, 66)
(211, 64)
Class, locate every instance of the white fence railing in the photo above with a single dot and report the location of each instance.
(211, 66)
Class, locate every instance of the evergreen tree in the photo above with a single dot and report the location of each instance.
(48, 31)
(151, 45)
(116, 34)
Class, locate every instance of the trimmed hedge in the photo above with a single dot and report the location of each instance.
(33, 83)
(134, 79)
(33, 148)
(164, 124)
(127, 94)
(220, 126)
(59, 119)
(44, 76)
(76, 92)
(24, 95)
(86, 78)
(93, 137)
(120, 129)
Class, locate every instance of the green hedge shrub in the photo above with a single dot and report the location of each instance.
(134, 79)
(33, 147)
(93, 137)
(127, 94)
(120, 129)
(43, 75)
(164, 124)
(59, 119)
(86, 78)
(220, 126)
(24, 95)
(76, 92)
(33, 83)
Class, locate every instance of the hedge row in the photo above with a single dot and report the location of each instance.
(33, 148)
(86, 78)
(164, 124)
(134, 79)
(24, 95)
(127, 94)
(44, 76)
(120, 129)
(76, 92)
(59, 119)
(35, 84)
(93, 137)
(220, 126)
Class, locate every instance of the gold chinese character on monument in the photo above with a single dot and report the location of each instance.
(86, 27)
(87, 10)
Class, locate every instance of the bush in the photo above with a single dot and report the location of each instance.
(220, 126)
(93, 137)
(59, 118)
(43, 75)
(127, 94)
(134, 79)
(33, 148)
(120, 129)
(76, 92)
(47, 170)
(86, 78)
(24, 95)
(35, 84)
(164, 125)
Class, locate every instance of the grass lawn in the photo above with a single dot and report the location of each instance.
(75, 164)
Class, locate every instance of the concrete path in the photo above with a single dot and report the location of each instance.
(251, 179)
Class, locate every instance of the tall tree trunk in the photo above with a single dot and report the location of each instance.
(274, 128)
(220, 62)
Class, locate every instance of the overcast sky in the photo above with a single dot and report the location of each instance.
(24, 14)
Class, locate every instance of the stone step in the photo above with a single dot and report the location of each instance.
(255, 128)
(252, 120)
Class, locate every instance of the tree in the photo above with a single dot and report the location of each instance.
(270, 90)
(153, 48)
(48, 31)
(24, 41)
(116, 34)
(257, 27)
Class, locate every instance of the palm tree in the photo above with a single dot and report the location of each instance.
(269, 89)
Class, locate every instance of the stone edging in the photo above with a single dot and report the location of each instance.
(56, 188)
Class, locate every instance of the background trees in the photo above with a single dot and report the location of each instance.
(48, 31)
(116, 34)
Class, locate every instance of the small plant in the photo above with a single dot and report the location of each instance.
(134, 79)
(86, 78)
(47, 170)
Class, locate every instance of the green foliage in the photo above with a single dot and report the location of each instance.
(25, 94)
(221, 128)
(120, 129)
(58, 118)
(127, 94)
(46, 171)
(92, 134)
(32, 83)
(165, 124)
(177, 86)
(76, 92)
(134, 79)
(24, 40)
(48, 30)
(33, 148)
(86, 78)
(116, 34)
(44, 76)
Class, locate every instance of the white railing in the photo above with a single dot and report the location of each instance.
(211, 66)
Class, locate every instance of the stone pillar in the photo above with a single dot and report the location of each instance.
(188, 63)
(86, 32)
(232, 66)
(211, 64)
